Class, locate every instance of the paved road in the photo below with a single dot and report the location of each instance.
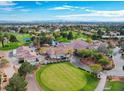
(32, 85)
(119, 63)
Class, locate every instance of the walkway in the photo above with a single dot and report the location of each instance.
(102, 82)
(32, 85)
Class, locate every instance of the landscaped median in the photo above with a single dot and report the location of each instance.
(94, 59)
(65, 76)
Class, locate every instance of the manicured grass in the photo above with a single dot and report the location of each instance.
(75, 36)
(10, 46)
(115, 86)
(64, 76)
(61, 39)
(14, 45)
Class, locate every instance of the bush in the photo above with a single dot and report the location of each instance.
(96, 68)
(99, 58)
(103, 61)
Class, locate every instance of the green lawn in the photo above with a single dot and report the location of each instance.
(13, 45)
(61, 39)
(75, 36)
(114, 86)
(64, 76)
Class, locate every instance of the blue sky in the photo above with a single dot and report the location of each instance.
(66, 10)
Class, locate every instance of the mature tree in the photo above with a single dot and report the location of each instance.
(96, 68)
(70, 35)
(2, 40)
(7, 35)
(95, 37)
(86, 53)
(23, 30)
(55, 34)
(3, 62)
(36, 41)
(16, 83)
(104, 61)
(25, 68)
(100, 33)
(64, 34)
(13, 38)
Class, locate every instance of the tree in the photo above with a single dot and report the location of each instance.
(23, 30)
(63, 34)
(70, 35)
(94, 36)
(100, 33)
(86, 53)
(25, 68)
(13, 38)
(103, 49)
(3, 62)
(96, 68)
(2, 39)
(17, 83)
(103, 61)
(7, 35)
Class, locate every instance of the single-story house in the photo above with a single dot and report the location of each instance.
(25, 52)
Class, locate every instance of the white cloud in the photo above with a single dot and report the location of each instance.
(113, 15)
(20, 8)
(7, 9)
(38, 3)
(24, 10)
(7, 3)
(66, 7)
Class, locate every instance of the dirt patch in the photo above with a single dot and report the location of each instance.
(87, 61)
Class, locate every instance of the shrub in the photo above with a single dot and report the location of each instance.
(96, 68)
(103, 61)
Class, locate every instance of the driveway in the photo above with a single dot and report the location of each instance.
(32, 84)
(119, 63)
(76, 62)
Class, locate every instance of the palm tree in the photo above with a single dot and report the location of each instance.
(2, 40)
